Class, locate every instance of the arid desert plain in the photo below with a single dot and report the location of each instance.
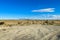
(29, 29)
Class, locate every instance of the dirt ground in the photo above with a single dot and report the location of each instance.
(30, 32)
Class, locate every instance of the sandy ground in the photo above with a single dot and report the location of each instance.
(31, 32)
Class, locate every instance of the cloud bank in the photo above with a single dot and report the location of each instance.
(45, 10)
(44, 16)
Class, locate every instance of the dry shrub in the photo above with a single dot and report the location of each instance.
(4, 29)
(19, 22)
(1, 23)
(51, 23)
(48, 22)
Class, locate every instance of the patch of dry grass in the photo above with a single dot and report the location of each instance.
(29, 22)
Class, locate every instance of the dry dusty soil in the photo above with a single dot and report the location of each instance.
(31, 32)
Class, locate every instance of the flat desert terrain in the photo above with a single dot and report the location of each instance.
(10, 30)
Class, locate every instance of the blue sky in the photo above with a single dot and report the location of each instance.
(33, 9)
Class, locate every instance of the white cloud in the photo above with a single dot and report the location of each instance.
(56, 16)
(53, 17)
(45, 10)
(46, 16)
